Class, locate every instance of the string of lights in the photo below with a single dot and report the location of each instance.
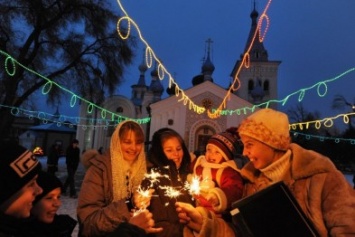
(10, 68)
(323, 138)
(109, 118)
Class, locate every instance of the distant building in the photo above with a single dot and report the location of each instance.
(44, 135)
(258, 84)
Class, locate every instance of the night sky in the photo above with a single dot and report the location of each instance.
(313, 39)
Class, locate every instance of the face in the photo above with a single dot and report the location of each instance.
(130, 146)
(22, 204)
(173, 150)
(258, 153)
(213, 154)
(46, 208)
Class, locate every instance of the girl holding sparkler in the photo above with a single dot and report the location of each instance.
(108, 185)
(169, 167)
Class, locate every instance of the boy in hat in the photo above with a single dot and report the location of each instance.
(44, 219)
(220, 181)
(18, 186)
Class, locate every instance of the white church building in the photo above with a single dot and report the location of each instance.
(258, 84)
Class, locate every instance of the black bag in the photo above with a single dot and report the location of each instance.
(273, 211)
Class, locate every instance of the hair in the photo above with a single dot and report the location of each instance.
(156, 153)
(132, 126)
(74, 141)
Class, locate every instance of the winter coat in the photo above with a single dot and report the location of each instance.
(62, 226)
(102, 203)
(163, 207)
(11, 226)
(98, 215)
(322, 191)
(227, 182)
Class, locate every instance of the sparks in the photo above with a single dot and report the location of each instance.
(171, 192)
(193, 187)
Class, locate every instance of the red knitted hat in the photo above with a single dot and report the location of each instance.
(227, 143)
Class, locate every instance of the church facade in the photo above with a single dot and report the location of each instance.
(258, 83)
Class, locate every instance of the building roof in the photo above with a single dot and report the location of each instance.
(53, 127)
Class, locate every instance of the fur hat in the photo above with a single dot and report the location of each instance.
(18, 166)
(47, 182)
(269, 127)
(227, 143)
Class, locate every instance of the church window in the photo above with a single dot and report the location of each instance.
(119, 109)
(266, 85)
(250, 85)
(207, 103)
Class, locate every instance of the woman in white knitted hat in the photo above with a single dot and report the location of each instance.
(104, 203)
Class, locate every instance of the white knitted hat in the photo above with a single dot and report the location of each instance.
(268, 126)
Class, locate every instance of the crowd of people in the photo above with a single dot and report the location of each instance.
(127, 191)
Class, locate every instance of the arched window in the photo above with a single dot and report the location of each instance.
(119, 109)
(202, 135)
(250, 85)
(266, 86)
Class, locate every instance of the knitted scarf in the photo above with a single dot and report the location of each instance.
(120, 167)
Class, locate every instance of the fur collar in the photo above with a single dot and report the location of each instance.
(304, 163)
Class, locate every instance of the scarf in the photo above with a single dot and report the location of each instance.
(120, 168)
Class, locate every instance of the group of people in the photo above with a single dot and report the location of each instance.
(124, 192)
(128, 192)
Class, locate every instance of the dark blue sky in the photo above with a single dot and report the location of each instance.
(314, 39)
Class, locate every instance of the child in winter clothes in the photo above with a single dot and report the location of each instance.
(44, 220)
(220, 181)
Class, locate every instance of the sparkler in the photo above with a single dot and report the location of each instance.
(193, 188)
(154, 176)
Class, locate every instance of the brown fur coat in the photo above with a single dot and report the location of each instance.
(321, 190)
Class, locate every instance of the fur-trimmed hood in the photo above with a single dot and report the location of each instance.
(305, 163)
(87, 156)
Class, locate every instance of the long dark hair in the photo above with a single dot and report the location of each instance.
(156, 154)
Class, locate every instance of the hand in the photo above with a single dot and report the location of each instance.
(189, 215)
(144, 220)
(142, 201)
(212, 199)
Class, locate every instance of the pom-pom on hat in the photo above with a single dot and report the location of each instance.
(47, 182)
(268, 126)
(18, 166)
(227, 143)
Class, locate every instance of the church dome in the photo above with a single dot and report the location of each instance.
(196, 80)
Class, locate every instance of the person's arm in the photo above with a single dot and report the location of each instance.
(201, 222)
(96, 215)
